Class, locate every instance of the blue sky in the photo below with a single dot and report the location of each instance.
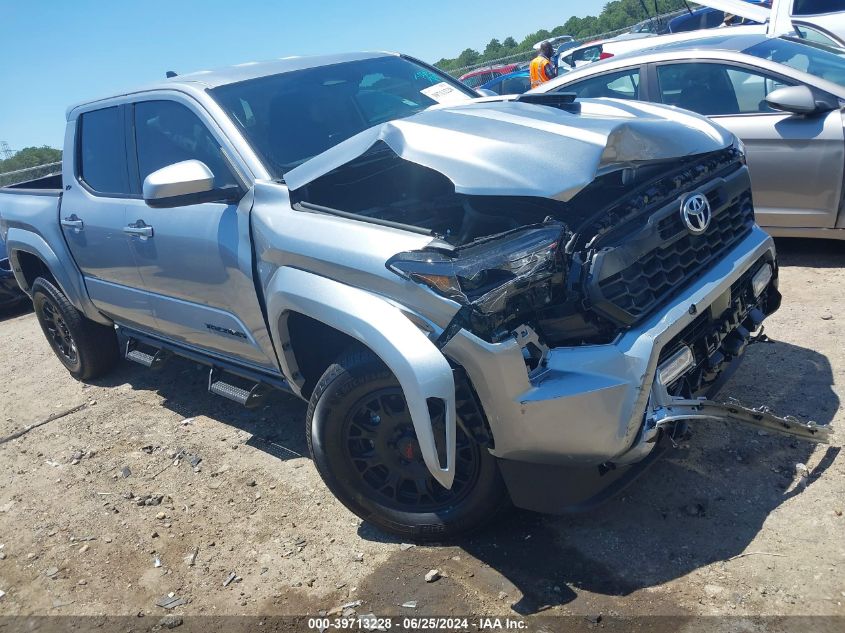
(57, 53)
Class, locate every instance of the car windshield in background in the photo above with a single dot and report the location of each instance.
(825, 62)
(291, 117)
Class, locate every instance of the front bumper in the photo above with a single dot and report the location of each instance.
(588, 404)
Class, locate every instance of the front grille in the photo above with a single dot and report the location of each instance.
(640, 287)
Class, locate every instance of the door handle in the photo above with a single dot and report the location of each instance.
(139, 228)
(73, 222)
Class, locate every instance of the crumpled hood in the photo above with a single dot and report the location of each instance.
(521, 149)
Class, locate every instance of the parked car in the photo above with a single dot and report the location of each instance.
(698, 19)
(748, 17)
(514, 83)
(555, 41)
(10, 292)
(777, 17)
(479, 76)
(481, 301)
(827, 16)
(781, 96)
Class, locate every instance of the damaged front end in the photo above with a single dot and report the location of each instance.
(545, 215)
(575, 287)
(499, 281)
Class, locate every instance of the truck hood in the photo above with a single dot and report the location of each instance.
(504, 147)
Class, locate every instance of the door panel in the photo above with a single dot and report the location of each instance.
(796, 166)
(197, 264)
(796, 163)
(93, 216)
(200, 285)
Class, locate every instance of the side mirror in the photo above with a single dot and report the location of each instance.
(178, 184)
(484, 92)
(797, 100)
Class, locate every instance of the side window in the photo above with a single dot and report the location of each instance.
(102, 151)
(590, 54)
(619, 85)
(716, 89)
(685, 23)
(813, 35)
(712, 19)
(514, 86)
(167, 132)
(817, 7)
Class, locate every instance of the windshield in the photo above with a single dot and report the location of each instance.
(290, 117)
(825, 62)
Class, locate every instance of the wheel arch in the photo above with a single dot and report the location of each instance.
(32, 257)
(299, 302)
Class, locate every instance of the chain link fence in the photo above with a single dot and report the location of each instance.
(30, 173)
(527, 56)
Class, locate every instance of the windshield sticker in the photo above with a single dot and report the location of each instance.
(444, 93)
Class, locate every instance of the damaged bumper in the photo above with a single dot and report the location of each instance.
(594, 408)
(680, 409)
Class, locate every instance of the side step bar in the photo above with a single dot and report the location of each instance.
(154, 361)
(156, 357)
(249, 398)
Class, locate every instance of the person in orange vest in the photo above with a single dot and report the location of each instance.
(541, 69)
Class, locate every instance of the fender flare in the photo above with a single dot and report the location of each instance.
(68, 278)
(421, 369)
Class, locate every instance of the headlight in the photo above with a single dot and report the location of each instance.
(483, 273)
(676, 366)
(761, 279)
(740, 147)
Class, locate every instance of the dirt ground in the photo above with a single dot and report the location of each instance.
(718, 527)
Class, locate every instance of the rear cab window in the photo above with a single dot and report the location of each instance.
(101, 152)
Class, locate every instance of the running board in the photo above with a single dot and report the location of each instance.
(154, 361)
(249, 398)
(763, 418)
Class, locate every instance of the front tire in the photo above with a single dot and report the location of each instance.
(362, 441)
(87, 349)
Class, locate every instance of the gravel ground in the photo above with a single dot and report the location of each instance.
(107, 510)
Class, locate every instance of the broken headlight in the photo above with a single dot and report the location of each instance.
(486, 272)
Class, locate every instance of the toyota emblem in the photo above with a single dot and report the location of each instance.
(696, 213)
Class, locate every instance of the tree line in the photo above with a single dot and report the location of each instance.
(30, 157)
(616, 15)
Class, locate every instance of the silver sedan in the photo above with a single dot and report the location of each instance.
(782, 97)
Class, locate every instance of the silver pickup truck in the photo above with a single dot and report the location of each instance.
(484, 301)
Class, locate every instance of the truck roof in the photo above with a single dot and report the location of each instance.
(241, 72)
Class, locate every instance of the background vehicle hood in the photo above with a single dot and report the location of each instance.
(743, 9)
(500, 147)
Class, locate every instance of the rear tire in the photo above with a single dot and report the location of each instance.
(87, 349)
(362, 442)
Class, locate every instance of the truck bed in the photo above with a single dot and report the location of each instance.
(46, 185)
